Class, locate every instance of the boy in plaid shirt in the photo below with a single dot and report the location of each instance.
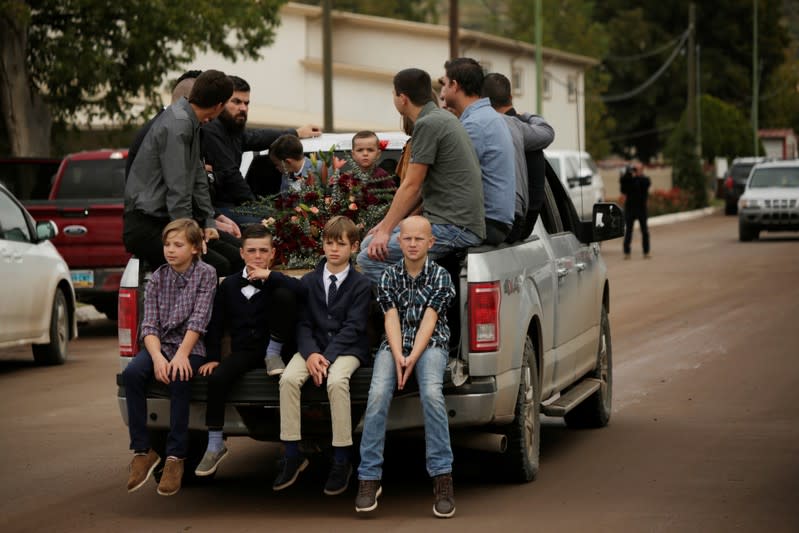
(177, 308)
(414, 295)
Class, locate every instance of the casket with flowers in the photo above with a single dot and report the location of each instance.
(297, 217)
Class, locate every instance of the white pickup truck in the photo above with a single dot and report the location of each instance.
(531, 335)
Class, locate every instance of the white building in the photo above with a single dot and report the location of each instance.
(367, 51)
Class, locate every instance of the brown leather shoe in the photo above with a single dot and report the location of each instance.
(141, 468)
(171, 477)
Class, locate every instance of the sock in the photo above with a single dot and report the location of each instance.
(341, 454)
(215, 442)
(292, 448)
(274, 348)
(141, 452)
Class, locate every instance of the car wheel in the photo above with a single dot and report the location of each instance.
(595, 410)
(55, 352)
(198, 442)
(746, 232)
(519, 463)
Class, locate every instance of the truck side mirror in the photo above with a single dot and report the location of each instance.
(46, 230)
(607, 222)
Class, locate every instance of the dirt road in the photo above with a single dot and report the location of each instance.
(704, 434)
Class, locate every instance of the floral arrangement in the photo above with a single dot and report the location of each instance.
(662, 202)
(297, 218)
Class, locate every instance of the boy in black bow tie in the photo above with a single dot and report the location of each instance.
(258, 308)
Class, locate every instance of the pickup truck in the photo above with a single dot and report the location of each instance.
(86, 203)
(531, 335)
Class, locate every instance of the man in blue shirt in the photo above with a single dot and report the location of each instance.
(462, 86)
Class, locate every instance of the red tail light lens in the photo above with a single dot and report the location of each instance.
(729, 182)
(484, 299)
(128, 323)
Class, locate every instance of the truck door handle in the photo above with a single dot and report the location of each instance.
(580, 266)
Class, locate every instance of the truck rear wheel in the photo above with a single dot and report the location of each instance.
(519, 463)
(55, 352)
(594, 412)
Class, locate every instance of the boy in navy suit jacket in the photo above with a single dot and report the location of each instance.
(258, 308)
(332, 344)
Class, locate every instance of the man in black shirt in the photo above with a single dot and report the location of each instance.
(635, 188)
(223, 141)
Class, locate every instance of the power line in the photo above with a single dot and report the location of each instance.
(643, 55)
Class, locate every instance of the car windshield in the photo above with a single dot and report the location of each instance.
(775, 177)
(740, 171)
(98, 178)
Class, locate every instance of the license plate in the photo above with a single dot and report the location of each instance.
(82, 279)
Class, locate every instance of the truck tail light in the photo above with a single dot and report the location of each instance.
(484, 301)
(128, 323)
(729, 183)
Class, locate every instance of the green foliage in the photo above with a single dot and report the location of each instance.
(780, 95)
(686, 167)
(414, 10)
(79, 49)
(725, 131)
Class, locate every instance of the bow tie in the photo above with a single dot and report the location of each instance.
(257, 283)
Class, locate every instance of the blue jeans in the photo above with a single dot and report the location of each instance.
(429, 372)
(137, 377)
(448, 238)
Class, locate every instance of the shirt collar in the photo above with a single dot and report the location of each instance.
(181, 279)
(427, 108)
(482, 102)
(423, 273)
(339, 276)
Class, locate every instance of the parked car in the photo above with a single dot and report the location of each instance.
(735, 181)
(37, 301)
(770, 201)
(580, 176)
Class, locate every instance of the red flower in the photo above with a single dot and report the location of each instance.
(383, 144)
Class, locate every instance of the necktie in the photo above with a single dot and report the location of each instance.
(332, 290)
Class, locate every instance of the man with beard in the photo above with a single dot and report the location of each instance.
(223, 141)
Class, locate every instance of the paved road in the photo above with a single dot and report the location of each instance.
(704, 434)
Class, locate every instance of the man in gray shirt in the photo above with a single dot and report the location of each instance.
(530, 134)
(443, 172)
(167, 179)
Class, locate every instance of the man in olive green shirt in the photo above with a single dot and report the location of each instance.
(443, 176)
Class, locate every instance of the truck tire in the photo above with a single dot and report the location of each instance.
(730, 207)
(595, 410)
(198, 442)
(519, 463)
(746, 232)
(55, 352)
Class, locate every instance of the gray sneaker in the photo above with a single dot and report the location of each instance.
(275, 365)
(369, 490)
(210, 462)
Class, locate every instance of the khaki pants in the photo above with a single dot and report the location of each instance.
(338, 392)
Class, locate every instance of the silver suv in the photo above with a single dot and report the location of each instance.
(770, 201)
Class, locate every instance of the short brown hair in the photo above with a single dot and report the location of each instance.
(255, 231)
(210, 89)
(415, 84)
(189, 228)
(340, 226)
(366, 134)
(496, 88)
(286, 146)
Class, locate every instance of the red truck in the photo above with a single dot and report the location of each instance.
(86, 201)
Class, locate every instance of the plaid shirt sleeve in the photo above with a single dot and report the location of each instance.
(386, 288)
(443, 290)
(203, 302)
(150, 324)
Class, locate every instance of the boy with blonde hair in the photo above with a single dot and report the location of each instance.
(177, 308)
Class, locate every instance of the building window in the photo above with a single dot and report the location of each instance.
(546, 87)
(516, 82)
(571, 86)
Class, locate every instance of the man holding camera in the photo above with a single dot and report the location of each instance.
(635, 188)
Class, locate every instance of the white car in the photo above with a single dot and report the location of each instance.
(770, 201)
(37, 300)
(580, 176)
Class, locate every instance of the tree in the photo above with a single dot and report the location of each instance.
(414, 10)
(686, 167)
(780, 96)
(725, 130)
(61, 59)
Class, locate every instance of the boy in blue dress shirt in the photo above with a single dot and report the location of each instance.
(332, 344)
(414, 294)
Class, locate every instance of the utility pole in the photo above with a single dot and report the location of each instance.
(453, 29)
(327, 64)
(539, 59)
(699, 101)
(755, 80)
(691, 51)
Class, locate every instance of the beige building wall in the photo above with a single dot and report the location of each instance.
(286, 81)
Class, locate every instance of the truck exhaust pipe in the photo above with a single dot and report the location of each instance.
(487, 442)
